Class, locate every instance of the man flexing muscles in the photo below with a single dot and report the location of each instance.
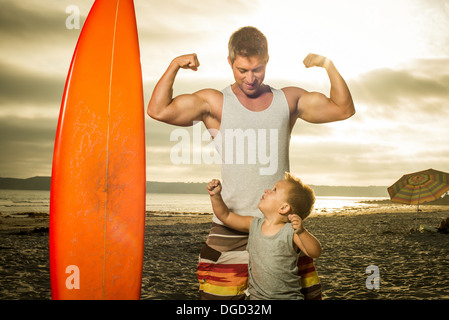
(250, 111)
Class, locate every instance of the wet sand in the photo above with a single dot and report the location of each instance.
(412, 265)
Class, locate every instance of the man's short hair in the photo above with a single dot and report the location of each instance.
(248, 42)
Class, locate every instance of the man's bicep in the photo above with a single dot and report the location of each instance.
(184, 110)
(315, 107)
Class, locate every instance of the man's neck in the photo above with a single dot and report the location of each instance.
(258, 101)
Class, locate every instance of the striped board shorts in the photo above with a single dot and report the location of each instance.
(223, 267)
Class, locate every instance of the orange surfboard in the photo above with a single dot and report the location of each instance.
(97, 202)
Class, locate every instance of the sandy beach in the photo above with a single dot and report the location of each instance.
(412, 265)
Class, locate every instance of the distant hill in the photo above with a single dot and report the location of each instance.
(35, 183)
(44, 183)
(176, 187)
(350, 191)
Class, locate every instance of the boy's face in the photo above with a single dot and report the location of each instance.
(275, 199)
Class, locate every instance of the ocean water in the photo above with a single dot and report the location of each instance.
(23, 201)
(16, 202)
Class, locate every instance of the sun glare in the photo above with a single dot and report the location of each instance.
(381, 34)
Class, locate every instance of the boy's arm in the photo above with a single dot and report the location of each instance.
(303, 239)
(221, 210)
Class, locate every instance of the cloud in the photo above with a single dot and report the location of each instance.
(21, 85)
(34, 41)
(171, 28)
(180, 18)
(379, 160)
(34, 36)
(23, 20)
(401, 112)
(390, 87)
(160, 165)
(27, 146)
(31, 17)
(400, 125)
(414, 94)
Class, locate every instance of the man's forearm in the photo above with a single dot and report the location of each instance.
(163, 91)
(339, 92)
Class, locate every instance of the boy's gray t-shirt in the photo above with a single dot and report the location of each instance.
(273, 270)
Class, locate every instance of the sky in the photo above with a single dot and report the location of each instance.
(394, 56)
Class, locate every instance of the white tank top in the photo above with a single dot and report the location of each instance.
(254, 148)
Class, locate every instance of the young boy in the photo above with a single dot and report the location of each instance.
(273, 243)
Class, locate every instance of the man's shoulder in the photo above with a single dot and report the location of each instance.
(296, 91)
(293, 95)
(209, 93)
(213, 97)
(213, 100)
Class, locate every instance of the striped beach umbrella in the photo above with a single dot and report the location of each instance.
(419, 187)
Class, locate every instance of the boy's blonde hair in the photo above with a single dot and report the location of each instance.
(300, 197)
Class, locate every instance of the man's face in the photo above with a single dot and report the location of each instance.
(249, 73)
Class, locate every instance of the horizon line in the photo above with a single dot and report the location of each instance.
(205, 182)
